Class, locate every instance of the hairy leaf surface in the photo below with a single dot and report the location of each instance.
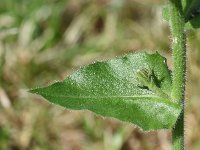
(112, 89)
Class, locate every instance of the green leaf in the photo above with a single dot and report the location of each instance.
(114, 88)
(190, 7)
(191, 12)
(193, 23)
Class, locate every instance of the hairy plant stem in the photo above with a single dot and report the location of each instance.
(179, 69)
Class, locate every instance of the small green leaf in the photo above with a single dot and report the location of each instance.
(190, 8)
(112, 89)
(193, 23)
(191, 12)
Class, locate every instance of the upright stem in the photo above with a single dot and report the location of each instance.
(179, 68)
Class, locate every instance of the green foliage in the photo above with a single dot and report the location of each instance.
(191, 13)
(193, 23)
(135, 88)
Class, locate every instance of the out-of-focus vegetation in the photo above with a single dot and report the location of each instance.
(45, 40)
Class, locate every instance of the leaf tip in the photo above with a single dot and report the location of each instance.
(34, 91)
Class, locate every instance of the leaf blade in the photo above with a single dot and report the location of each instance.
(111, 89)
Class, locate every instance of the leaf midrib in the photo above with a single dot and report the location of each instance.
(134, 98)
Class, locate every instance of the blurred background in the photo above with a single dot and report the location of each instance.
(42, 41)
